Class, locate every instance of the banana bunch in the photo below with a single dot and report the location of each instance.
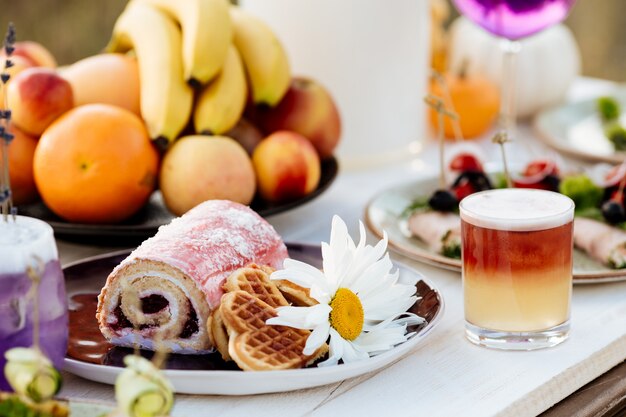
(220, 51)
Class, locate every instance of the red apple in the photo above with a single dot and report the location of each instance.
(38, 96)
(287, 166)
(307, 108)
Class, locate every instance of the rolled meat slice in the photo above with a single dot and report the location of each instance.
(604, 243)
(440, 231)
(161, 295)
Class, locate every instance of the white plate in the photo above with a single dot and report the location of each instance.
(384, 213)
(243, 383)
(575, 129)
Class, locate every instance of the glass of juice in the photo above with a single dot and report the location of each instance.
(517, 267)
(27, 250)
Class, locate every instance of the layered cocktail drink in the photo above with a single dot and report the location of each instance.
(27, 252)
(517, 267)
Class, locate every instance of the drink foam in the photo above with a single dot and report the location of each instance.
(23, 242)
(517, 209)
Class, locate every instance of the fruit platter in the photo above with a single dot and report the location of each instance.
(154, 214)
(422, 223)
(182, 106)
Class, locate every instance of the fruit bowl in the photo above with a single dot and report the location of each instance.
(145, 223)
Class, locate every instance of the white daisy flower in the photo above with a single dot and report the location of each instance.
(362, 306)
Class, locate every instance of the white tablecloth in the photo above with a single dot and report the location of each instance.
(446, 375)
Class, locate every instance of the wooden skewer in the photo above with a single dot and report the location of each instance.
(437, 104)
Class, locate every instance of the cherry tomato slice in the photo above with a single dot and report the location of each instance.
(465, 162)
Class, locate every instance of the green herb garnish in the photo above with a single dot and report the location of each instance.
(609, 109)
(583, 191)
(616, 133)
(419, 204)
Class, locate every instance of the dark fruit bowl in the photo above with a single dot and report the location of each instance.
(145, 223)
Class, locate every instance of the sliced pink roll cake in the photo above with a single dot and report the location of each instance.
(164, 291)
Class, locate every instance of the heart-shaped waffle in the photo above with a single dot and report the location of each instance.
(254, 345)
(254, 280)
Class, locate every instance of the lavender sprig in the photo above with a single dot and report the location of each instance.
(6, 200)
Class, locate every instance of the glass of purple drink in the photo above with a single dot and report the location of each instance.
(27, 250)
(513, 20)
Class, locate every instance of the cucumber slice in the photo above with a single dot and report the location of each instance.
(31, 374)
(141, 389)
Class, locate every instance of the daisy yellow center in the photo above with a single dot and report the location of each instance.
(347, 314)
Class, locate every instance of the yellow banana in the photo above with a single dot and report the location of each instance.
(220, 105)
(207, 33)
(263, 56)
(166, 98)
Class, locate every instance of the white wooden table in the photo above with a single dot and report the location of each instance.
(446, 375)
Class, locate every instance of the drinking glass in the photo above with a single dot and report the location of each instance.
(517, 267)
(513, 20)
(32, 313)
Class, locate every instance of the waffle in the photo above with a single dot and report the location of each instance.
(254, 280)
(254, 345)
(218, 333)
(295, 294)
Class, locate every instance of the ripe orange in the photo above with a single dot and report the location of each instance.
(476, 101)
(95, 164)
(21, 153)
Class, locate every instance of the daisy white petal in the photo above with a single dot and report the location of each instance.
(318, 337)
(335, 349)
(351, 353)
(387, 304)
(299, 273)
(372, 277)
(402, 319)
(322, 295)
(301, 317)
(381, 340)
(335, 265)
(339, 245)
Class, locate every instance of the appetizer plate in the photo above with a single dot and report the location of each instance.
(575, 129)
(384, 213)
(145, 223)
(91, 357)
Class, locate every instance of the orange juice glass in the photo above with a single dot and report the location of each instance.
(517, 267)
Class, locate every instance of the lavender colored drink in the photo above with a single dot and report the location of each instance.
(29, 243)
(515, 19)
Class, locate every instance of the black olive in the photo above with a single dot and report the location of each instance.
(613, 212)
(551, 182)
(479, 181)
(443, 200)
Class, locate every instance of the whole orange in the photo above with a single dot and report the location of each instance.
(476, 101)
(21, 153)
(96, 164)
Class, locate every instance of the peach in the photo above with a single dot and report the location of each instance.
(19, 64)
(247, 134)
(287, 167)
(199, 168)
(38, 96)
(105, 78)
(307, 108)
(21, 154)
(34, 52)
